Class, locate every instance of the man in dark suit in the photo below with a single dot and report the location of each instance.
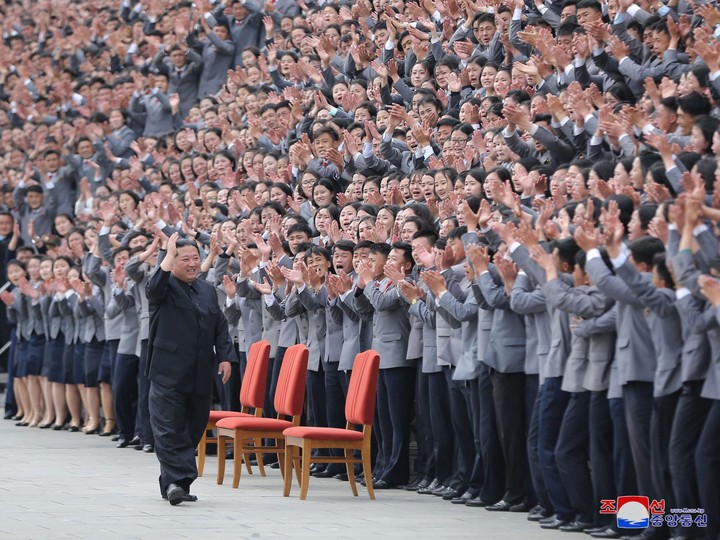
(187, 330)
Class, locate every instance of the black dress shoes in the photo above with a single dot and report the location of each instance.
(275, 465)
(57, 427)
(115, 438)
(429, 488)
(325, 473)
(412, 486)
(520, 507)
(595, 529)
(175, 494)
(9, 416)
(477, 502)
(382, 484)
(555, 523)
(576, 526)
(22, 424)
(462, 499)
(539, 515)
(45, 426)
(343, 477)
(135, 440)
(654, 533)
(186, 498)
(501, 506)
(148, 448)
(451, 494)
(607, 533)
(122, 443)
(74, 429)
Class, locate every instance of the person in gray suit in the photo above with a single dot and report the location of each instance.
(574, 439)
(694, 439)
(138, 269)
(159, 117)
(184, 68)
(378, 294)
(246, 25)
(218, 53)
(635, 351)
(505, 356)
(433, 396)
(36, 205)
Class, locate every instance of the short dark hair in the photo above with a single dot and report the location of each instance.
(186, 242)
(382, 248)
(300, 227)
(344, 245)
(644, 249)
(406, 250)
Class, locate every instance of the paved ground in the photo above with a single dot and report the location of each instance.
(69, 485)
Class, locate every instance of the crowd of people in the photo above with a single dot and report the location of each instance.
(514, 203)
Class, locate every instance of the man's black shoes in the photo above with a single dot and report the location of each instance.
(175, 494)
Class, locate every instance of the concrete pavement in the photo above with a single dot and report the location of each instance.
(63, 485)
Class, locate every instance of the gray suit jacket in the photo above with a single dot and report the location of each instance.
(429, 358)
(357, 332)
(588, 303)
(528, 300)
(634, 351)
(61, 317)
(99, 276)
(391, 326)
(295, 305)
(92, 310)
(466, 313)
(123, 304)
(687, 274)
(665, 327)
(506, 348)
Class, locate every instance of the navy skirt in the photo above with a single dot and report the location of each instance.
(35, 354)
(107, 364)
(93, 357)
(56, 364)
(19, 353)
(75, 371)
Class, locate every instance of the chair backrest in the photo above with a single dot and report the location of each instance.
(290, 391)
(252, 390)
(360, 402)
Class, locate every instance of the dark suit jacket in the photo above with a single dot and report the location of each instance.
(186, 330)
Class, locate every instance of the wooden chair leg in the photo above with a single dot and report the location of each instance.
(246, 459)
(305, 483)
(221, 458)
(259, 456)
(367, 471)
(201, 453)
(298, 468)
(287, 480)
(350, 471)
(281, 456)
(237, 466)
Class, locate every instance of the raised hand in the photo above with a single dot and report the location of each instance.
(479, 257)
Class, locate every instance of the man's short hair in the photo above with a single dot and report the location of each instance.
(186, 242)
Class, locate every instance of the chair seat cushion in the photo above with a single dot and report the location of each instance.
(254, 423)
(219, 415)
(325, 434)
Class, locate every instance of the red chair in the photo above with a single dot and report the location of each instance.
(252, 396)
(359, 411)
(248, 432)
